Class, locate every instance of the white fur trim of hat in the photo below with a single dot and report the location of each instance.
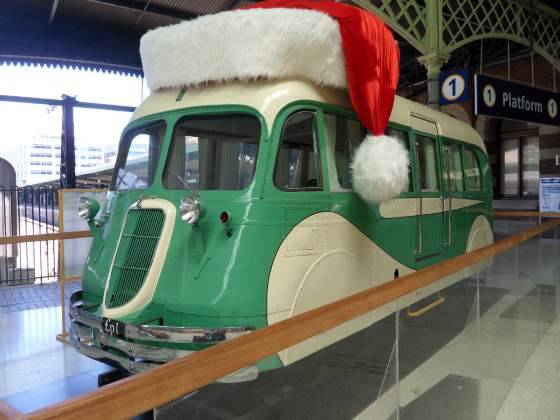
(380, 169)
(245, 45)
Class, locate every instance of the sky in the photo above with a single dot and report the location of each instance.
(20, 122)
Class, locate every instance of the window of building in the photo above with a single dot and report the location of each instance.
(472, 170)
(344, 135)
(452, 168)
(530, 166)
(518, 159)
(427, 164)
(298, 165)
(402, 137)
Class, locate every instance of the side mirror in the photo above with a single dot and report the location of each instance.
(88, 208)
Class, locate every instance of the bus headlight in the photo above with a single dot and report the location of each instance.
(190, 210)
(87, 208)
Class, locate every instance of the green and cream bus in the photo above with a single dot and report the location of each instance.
(240, 213)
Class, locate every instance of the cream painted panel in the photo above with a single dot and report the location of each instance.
(406, 207)
(267, 96)
(460, 203)
(351, 264)
(348, 264)
(448, 126)
(146, 293)
(400, 207)
(425, 124)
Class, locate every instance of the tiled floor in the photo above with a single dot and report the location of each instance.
(490, 351)
(31, 356)
(39, 296)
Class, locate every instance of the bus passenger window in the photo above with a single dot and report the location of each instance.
(344, 135)
(452, 169)
(427, 164)
(298, 165)
(402, 137)
(472, 171)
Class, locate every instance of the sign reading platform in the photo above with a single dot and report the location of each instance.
(549, 194)
(503, 99)
(454, 86)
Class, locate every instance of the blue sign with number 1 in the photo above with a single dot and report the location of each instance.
(454, 86)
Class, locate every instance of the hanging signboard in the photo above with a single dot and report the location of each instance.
(549, 194)
(503, 99)
(454, 86)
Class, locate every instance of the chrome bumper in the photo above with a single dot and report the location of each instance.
(134, 357)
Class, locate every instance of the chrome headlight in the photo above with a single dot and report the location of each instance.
(87, 208)
(190, 210)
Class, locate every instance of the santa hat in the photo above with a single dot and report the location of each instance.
(329, 43)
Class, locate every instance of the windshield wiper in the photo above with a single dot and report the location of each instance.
(182, 181)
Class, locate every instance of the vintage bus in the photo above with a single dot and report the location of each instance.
(231, 208)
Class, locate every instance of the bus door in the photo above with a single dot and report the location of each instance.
(452, 185)
(430, 217)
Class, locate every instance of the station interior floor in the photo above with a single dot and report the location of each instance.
(491, 350)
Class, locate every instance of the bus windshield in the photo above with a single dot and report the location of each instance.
(213, 152)
(138, 157)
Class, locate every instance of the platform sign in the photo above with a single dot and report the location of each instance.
(549, 194)
(503, 99)
(454, 86)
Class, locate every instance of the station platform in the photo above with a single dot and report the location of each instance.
(489, 351)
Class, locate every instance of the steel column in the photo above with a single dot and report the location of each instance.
(67, 152)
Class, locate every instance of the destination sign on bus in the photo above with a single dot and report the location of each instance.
(503, 99)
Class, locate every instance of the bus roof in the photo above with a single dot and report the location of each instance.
(413, 114)
(270, 96)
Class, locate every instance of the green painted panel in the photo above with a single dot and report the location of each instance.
(213, 277)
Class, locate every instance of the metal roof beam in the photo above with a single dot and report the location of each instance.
(53, 11)
(146, 6)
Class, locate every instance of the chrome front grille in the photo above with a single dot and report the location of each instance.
(134, 256)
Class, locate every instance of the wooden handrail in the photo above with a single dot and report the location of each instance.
(86, 233)
(523, 213)
(142, 392)
(8, 412)
(8, 240)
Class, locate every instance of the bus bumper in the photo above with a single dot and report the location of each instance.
(117, 344)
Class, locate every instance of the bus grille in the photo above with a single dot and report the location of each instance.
(134, 256)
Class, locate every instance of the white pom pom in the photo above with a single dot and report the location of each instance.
(380, 169)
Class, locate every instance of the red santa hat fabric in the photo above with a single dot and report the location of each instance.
(328, 43)
(371, 54)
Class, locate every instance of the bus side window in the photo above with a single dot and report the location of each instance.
(344, 135)
(427, 164)
(298, 165)
(452, 168)
(402, 137)
(472, 170)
